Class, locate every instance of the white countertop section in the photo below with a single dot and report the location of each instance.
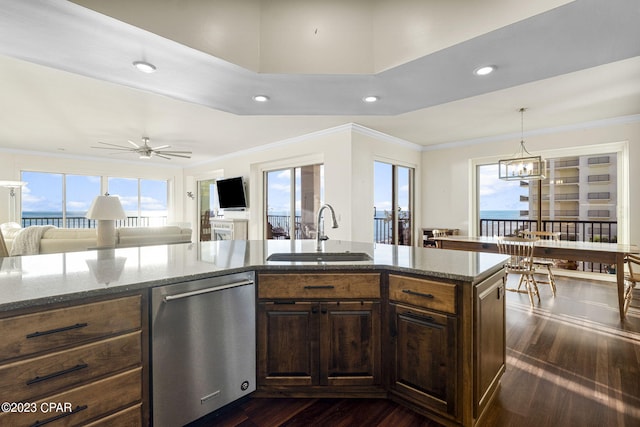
(43, 279)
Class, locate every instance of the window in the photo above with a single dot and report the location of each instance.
(58, 199)
(578, 198)
(578, 193)
(293, 196)
(393, 204)
(144, 201)
(63, 200)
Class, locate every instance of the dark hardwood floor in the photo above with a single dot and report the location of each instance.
(570, 362)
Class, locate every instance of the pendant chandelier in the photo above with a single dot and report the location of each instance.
(523, 166)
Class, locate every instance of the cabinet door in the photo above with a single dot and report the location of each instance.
(424, 360)
(287, 343)
(350, 343)
(490, 340)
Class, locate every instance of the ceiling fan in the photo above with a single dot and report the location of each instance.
(146, 151)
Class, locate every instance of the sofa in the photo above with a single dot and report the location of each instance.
(54, 240)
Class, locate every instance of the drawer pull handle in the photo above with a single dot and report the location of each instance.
(57, 374)
(428, 319)
(57, 417)
(419, 294)
(55, 331)
(320, 287)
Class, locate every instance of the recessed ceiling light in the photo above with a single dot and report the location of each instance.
(370, 98)
(145, 67)
(261, 98)
(483, 71)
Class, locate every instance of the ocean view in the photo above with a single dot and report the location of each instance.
(494, 214)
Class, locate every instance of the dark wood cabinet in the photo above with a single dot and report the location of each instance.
(88, 358)
(434, 345)
(423, 362)
(320, 335)
(288, 337)
(350, 343)
(490, 340)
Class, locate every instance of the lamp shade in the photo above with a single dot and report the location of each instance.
(106, 207)
(12, 184)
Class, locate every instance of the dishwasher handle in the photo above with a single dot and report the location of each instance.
(169, 298)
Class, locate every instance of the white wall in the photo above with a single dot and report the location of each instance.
(447, 182)
(443, 182)
(348, 153)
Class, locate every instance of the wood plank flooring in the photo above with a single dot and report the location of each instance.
(570, 362)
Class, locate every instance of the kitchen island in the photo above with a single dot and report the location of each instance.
(430, 324)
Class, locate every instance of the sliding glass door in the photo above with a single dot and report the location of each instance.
(393, 204)
(293, 196)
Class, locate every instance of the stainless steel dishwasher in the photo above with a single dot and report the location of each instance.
(203, 352)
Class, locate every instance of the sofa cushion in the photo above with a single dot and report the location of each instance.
(71, 233)
(153, 235)
(142, 231)
(10, 229)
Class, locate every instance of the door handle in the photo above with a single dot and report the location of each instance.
(168, 298)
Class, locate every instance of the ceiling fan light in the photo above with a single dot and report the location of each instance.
(145, 155)
(145, 67)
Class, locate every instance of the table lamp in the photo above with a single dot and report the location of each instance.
(106, 209)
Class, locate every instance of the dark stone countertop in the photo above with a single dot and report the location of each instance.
(37, 280)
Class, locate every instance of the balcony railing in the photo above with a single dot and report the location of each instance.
(82, 222)
(579, 231)
(383, 232)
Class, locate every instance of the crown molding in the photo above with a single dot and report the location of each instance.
(634, 118)
(347, 127)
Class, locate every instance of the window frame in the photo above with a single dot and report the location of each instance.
(621, 149)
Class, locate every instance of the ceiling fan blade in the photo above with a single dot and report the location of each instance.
(164, 157)
(113, 145)
(174, 152)
(113, 148)
(162, 147)
(133, 143)
(175, 155)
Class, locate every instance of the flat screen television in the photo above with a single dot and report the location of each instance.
(231, 193)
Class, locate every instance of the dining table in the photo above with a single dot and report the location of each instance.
(611, 254)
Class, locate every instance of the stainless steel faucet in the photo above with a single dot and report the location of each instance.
(320, 236)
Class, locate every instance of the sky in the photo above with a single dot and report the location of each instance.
(496, 194)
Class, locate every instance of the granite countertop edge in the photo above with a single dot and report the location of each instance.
(135, 287)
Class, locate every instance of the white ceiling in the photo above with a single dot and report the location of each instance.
(67, 80)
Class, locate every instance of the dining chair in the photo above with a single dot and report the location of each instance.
(520, 251)
(544, 263)
(631, 279)
(443, 232)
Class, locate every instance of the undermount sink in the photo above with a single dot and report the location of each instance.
(319, 256)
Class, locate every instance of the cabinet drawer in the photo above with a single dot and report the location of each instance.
(82, 403)
(304, 286)
(423, 293)
(44, 375)
(52, 329)
(129, 417)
